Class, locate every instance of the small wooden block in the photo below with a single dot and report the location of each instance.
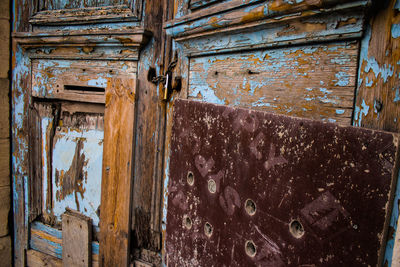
(77, 237)
(37, 259)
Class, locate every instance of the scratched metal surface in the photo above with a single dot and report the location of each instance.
(334, 181)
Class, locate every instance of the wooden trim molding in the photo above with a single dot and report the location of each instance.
(118, 13)
(87, 44)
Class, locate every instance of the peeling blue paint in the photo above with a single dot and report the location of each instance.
(63, 154)
(395, 30)
(343, 79)
(358, 113)
(397, 95)
(339, 111)
(397, 5)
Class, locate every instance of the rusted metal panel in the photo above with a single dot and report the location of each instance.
(313, 81)
(253, 188)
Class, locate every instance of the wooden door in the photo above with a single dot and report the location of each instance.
(296, 58)
(104, 75)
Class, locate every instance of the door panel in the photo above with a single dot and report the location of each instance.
(313, 81)
(249, 188)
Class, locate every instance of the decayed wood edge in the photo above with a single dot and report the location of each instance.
(35, 164)
(392, 193)
(48, 240)
(20, 103)
(241, 23)
(239, 16)
(137, 37)
(39, 259)
(118, 13)
(118, 167)
(195, 4)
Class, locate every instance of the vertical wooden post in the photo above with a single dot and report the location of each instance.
(117, 172)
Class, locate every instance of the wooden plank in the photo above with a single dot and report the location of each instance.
(302, 29)
(4, 108)
(4, 162)
(115, 209)
(147, 178)
(48, 240)
(251, 188)
(4, 48)
(35, 163)
(5, 251)
(316, 81)
(195, 23)
(76, 239)
(5, 206)
(38, 259)
(378, 95)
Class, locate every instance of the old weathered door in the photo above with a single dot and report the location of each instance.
(297, 58)
(92, 76)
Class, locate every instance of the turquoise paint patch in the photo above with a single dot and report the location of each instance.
(340, 111)
(359, 112)
(397, 96)
(343, 79)
(397, 5)
(395, 30)
(368, 83)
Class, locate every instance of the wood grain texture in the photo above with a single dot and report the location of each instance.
(6, 252)
(38, 259)
(48, 240)
(300, 29)
(316, 81)
(4, 162)
(5, 207)
(76, 239)
(87, 79)
(219, 16)
(115, 210)
(4, 108)
(148, 149)
(378, 94)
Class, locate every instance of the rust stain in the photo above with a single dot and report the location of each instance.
(349, 21)
(71, 181)
(281, 5)
(257, 14)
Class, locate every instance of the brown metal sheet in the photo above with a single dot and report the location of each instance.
(249, 188)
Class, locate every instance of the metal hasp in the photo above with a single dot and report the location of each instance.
(250, 188)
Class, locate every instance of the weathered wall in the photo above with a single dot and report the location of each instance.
(5, 196)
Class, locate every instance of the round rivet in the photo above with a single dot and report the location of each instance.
(190, 178)
(250, 248)
(296, 229)
(187, 222)
(208, 229)
(250, 207)
(212, 186)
